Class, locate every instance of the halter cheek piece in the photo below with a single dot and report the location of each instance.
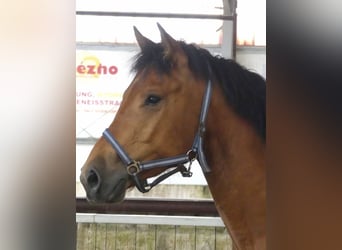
(196, 152)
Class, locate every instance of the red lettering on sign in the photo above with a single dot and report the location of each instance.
(81, 69)
(86, 94)
(113, 70)
(91, 69)
(100, 68)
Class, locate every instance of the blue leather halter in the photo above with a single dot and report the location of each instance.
(196, 152)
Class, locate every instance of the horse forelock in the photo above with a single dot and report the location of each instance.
(152, 56)
(244, 90)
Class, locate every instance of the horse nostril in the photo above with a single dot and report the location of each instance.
(93, 179)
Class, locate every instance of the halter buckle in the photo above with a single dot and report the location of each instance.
(133, 168)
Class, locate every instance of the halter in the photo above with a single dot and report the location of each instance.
(196, 152)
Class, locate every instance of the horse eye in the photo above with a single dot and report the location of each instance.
(152, 100)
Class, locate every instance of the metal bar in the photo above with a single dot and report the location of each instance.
(150, 206)
(150, 219)
(86, 141)
(151, 14)
(234, 35)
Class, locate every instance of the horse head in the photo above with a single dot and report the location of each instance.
(158, 118)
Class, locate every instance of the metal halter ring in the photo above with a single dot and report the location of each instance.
(192, 154)
(133, 168)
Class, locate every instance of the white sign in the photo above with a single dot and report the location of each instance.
(101, 79)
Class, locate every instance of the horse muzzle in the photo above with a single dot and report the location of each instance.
(104, 186)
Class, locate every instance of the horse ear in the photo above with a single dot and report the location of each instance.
(142, 41)
(171, 46)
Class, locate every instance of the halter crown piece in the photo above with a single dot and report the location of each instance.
(177, 162)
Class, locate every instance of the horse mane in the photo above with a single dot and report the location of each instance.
(244, 90)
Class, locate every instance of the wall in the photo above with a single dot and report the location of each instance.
(150, 237)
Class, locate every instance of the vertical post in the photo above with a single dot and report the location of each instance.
(229, 30)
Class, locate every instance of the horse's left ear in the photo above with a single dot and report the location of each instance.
(172, 48)
(142, 41)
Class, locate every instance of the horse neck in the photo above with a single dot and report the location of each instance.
(235, 154)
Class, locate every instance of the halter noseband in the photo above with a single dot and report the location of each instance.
(196, 152)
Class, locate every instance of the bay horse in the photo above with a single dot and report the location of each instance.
(185, 104)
